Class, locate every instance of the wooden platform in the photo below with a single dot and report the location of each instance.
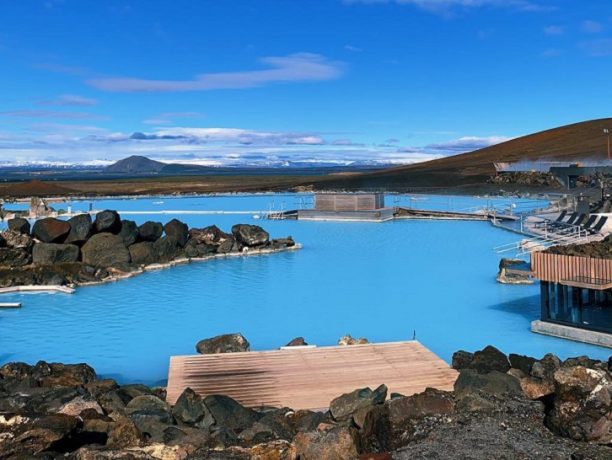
(309, 378)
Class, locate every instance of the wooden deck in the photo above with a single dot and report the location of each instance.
(309, 378)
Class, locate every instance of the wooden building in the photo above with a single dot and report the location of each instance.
(346, 202)
(576, 297)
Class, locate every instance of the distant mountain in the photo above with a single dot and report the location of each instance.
(576, 142)
(135, 165)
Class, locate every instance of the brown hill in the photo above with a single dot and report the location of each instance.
(34, 188)
(579, 141)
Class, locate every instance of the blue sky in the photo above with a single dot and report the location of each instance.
(231, 82)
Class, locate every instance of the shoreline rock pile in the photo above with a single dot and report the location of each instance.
(502, 407)
(83, 250)
(529, 178)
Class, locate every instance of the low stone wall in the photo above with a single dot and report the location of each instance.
(572, 333)
(81, 251)
(501, 407)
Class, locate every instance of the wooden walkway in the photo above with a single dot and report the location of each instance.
(309, 378)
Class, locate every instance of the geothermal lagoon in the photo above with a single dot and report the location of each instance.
(433, 280)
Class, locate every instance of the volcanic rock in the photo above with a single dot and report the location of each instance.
(150, 231)
(229, 413)
(250, 235)
(166, 249)
(211, 235)
(494, 382)
(226, 343)
(19, 225)
(177, 231)
(129, 232)
(143, 253)
(489, 359)
(14, 257)
(17, 240)
(349, 340)
(80, 229)
(582, 407)
(50, 230)
(107, 221)
(462, 359)
(191, 410)
(297, 342)
(105, 250)
(345, 405)
(149, 406)
(52, 253)
(337, 443)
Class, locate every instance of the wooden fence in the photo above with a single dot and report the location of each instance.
(572, 270)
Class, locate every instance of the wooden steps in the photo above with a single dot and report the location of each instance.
(309, 378)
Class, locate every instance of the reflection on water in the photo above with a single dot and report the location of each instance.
(381, 281)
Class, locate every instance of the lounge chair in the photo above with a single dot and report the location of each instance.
(599, 225)
(589, 222)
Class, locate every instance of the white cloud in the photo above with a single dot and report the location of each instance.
(31, 113)
(591, 27)
(444, 5)
(554, 30)
(70, 100)
(168, 118)
(299, 67)
(466, 144)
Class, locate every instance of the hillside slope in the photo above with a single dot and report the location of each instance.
(135, 164)
(579, 141)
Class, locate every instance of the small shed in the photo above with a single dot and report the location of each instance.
(346, 202)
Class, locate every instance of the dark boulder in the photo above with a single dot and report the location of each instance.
(80, 229)
(107, 221)
(211, 235)
(129, 232)
(105, 250)
(280, 243)
(59, 374)
(124, 433)
(194, 250)
(226, 343)
(228, 245)
(306, 420)
(272, 426)
(166, 249)
(229, 413)
(462, 359)
(582, 407)
(143, 253)
(17, 240)
(150, 231)
(19, 225)
(14, 257)
(489, 359)
(191, 410)
(297, 342)
(250, 235)
(50, 230)
(149, 406)
(177, 231)
(53, 253)
(340, 442)
(31, 439)
(521, 362)
(546, 367)
(494, 382)
(345, 405)
(429, 403)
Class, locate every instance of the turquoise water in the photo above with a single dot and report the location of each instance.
(380, 281)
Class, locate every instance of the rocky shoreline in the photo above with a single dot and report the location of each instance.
(83, 251)
(511, 407)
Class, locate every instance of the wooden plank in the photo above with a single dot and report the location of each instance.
(309, 378)
(561, 268)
